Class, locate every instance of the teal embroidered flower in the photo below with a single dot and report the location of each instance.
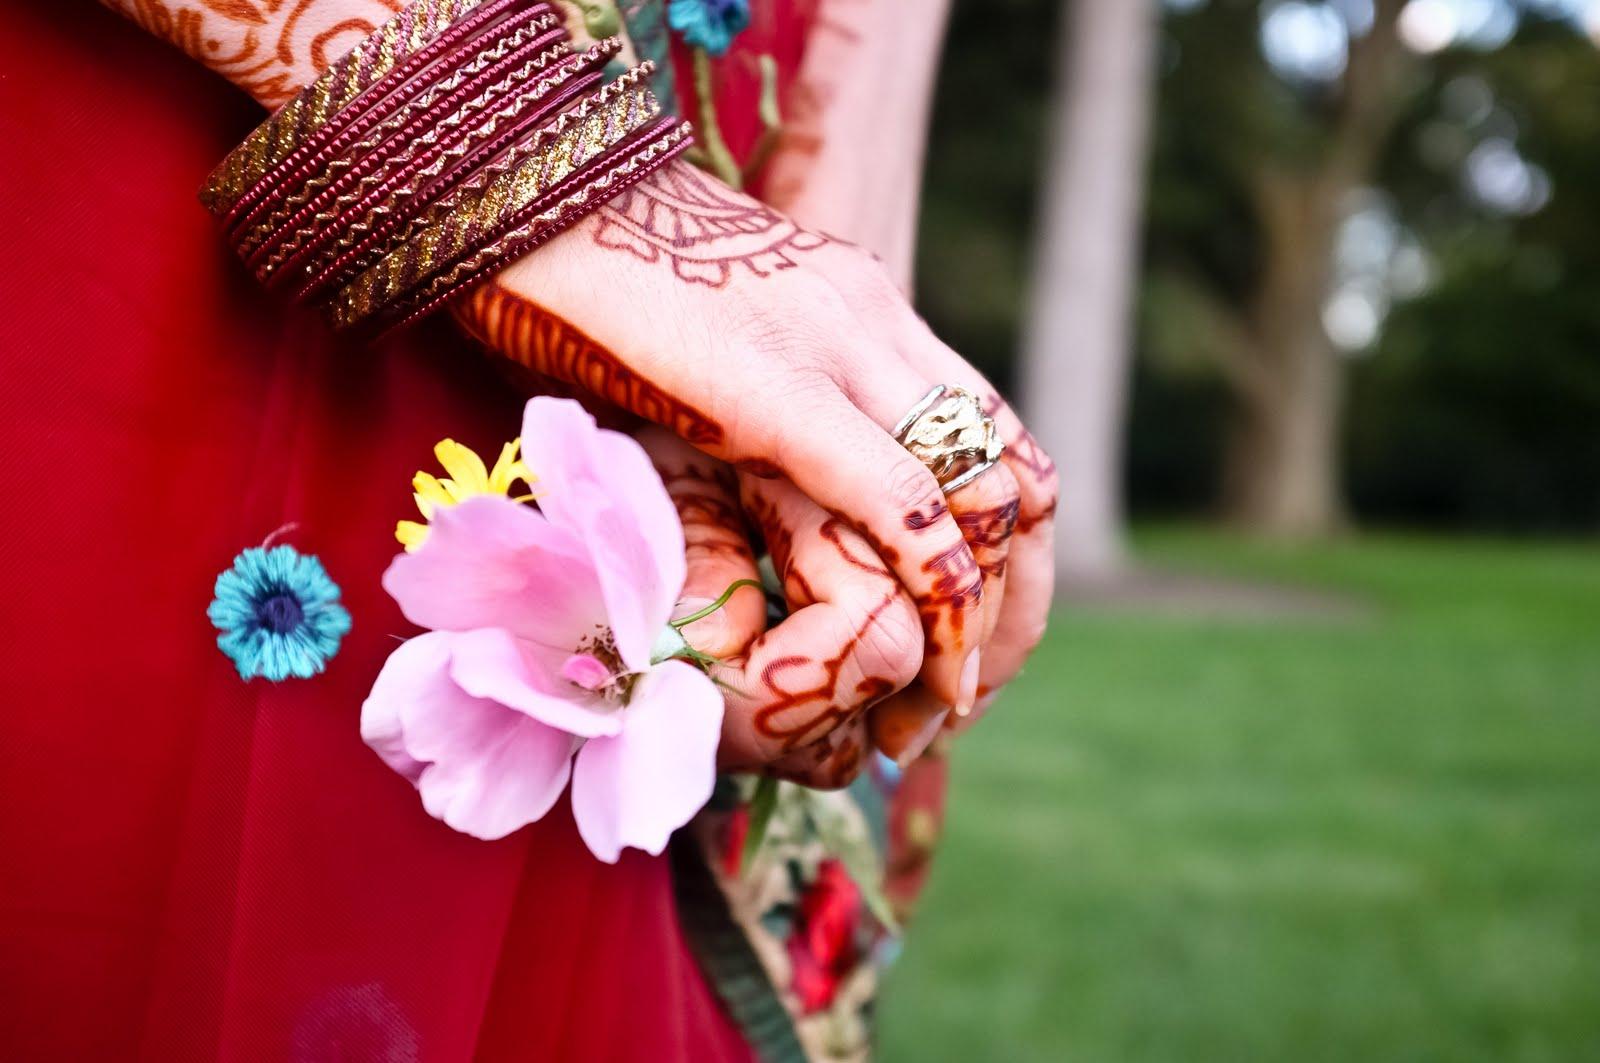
(279, 614)
(709, 24)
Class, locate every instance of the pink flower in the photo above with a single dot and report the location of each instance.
(537, 667)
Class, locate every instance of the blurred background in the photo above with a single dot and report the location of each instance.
(1304, 297)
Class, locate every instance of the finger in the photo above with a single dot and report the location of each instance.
(903, 726)
(832, 762)
(851, 639)
(716, 546)
(847, 461)
(1030, 566)
(985, 510)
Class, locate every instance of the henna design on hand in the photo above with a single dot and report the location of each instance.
(987, 532)
(917, 519)
(269, 48)
(794, 683)
(708, 232)
(957, 586)
(821, 696)
(712, 525)
(525, 332)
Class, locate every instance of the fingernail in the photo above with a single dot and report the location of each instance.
(968, 694)
(921, 740)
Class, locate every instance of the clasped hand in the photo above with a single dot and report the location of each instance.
(773, 362)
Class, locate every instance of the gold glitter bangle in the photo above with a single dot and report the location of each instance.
(354, 247)
(401, 42)
(476, 214)
(289, 220)
(557, 213)
(459, 134)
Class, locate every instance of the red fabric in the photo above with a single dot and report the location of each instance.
(778, 28)
(192, 867)
(822, 946)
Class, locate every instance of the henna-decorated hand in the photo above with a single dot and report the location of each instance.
(801, 695)
(776, 349)
(754, 339)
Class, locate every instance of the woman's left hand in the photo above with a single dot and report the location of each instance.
(807, 699)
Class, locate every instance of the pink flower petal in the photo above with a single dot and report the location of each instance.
(489, 769)
(416, 671)
(601, 486)
(637, 788)
(586, 670)
(491, 663)
(491, 562)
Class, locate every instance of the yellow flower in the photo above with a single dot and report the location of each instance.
(467, 477)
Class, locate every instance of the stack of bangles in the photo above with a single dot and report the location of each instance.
(458, 136)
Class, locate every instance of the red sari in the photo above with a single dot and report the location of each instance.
(194, 867)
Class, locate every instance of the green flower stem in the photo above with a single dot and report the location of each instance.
(762, 804)
(721, 159)
(771, 120)
(600, 18)
(701, 614)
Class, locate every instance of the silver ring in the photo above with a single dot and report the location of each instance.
(949, 432)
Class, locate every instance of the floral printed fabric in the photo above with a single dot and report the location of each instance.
(818, 903)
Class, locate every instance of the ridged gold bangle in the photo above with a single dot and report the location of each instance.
(356, 246)
(459, 134)
(557, 213)
(395, 43)
(476, 214)
(298, 214)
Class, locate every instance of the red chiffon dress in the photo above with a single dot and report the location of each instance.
(193, 867)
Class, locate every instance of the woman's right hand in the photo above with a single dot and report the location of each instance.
(773, 348)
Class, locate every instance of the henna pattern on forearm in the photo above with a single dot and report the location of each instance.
(269, 48)
(706, 231)
(519, 329)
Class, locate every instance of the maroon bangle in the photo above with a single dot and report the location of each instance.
(459, 135)
(343, 82)
(571, 202)
(438, 173)
(370, 107)
(322, 200)
(361, 144)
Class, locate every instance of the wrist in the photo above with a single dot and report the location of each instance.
(271, 54)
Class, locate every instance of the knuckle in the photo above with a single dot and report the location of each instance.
(873, 290)
(890, 644)
(785, 432)
(909, 486)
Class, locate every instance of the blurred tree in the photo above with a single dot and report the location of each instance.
(1479, 405)
(1286, 155)
(1076, 347)
(1471, 376)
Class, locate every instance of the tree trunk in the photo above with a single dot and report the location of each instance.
(1282, 472)
(1076, 348)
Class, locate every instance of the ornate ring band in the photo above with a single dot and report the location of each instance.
(949, 433)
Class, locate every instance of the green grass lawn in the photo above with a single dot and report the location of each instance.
(1351, 839)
